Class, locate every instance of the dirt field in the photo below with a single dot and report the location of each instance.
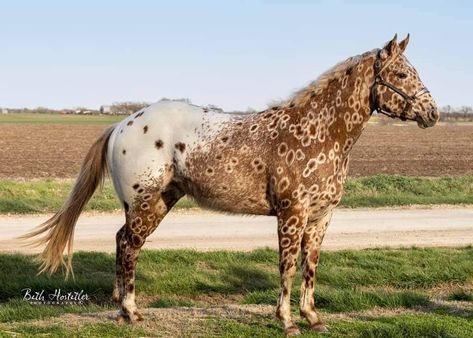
(56, 150)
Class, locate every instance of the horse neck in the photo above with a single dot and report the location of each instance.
(347, 99)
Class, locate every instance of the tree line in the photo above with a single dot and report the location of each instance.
(447, 113)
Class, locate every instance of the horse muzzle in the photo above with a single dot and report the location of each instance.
(429, 120)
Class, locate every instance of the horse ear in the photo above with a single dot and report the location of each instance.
(403, 43)
(391, 48)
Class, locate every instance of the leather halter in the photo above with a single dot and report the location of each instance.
(379, 81)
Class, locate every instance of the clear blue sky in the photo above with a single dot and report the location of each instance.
(235, 54)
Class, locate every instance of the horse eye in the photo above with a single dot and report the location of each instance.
(401, 75)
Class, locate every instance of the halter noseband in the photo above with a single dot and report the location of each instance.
(408, 99)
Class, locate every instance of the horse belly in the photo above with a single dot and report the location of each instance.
(229, 195)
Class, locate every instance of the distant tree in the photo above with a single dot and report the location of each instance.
(446, 109)
(465, 110)
(127, 108)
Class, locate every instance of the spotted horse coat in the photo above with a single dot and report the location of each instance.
(289, 161)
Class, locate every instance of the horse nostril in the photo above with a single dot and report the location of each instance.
(433, 115)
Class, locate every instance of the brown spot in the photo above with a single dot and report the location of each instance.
(292, 221)
(136, 186)
(145, 129)
(285, 203)
(290, 157)
(283, 184)
(158, 144)
(268, 115)
(124, 152)
(224, 139)
(129, 123)
(137, 241)
(282, 149)
(312, 130)
(180, 146)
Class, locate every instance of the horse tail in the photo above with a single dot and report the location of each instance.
(58, 231)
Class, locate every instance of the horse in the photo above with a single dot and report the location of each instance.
(288, 161)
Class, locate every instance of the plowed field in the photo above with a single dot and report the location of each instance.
(56, 150)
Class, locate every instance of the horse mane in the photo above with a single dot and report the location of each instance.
(304, 95)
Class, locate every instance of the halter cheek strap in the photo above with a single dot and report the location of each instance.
(408, 99)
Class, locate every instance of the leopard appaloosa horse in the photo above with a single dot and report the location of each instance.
(289, 161)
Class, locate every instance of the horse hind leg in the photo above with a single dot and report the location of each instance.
(141, 220)
(117, 286)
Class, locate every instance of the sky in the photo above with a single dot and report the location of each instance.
(234, 54)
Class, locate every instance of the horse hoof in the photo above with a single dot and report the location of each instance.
(137, 316)
(292, 331)
(319, 327)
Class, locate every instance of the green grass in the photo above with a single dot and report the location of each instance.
(88, 330)
(392, 190)
(41, 196)
(348, 281)
(59, 118)
(430, 325)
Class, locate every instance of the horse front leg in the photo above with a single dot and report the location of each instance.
(311, 244)
(290, 227)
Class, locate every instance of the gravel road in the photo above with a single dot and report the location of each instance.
(203, 230)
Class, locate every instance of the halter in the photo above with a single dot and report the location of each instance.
(408, 99)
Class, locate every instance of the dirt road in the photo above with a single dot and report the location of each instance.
(202, 230)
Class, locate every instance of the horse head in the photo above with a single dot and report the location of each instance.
(398, 91)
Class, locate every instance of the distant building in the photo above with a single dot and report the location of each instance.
(105, 109)
(4, 111)
(83, 112)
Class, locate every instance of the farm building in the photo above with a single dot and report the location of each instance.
(106, 110)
